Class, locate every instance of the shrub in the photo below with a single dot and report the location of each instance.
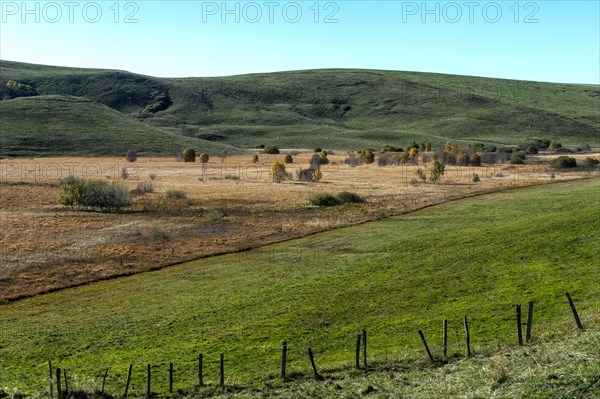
(71, 191)
(421, 175)
(590, 162)
(158, 235)
(388, 159)
(517, 158)
(318, 149)
(288, 159)
(352, 160)
(391, 148)
(475, 178)
(323, 160)
(531, 149)
(554, 145)
(152, 176)
(309, 175)
(585, 147)
(254, 158)
(271, 149)
(368, 156)
(175, 194)
(413, 152)
(475, 159)
(346, 197)
(462, 159)
(204, 157)
(564, 162)
(324, 200)
(93, 194)
(427, 147)
(131, 156)
(124, 173)
(278, 172)
(437, 170)
(189, 155)
(143, 187)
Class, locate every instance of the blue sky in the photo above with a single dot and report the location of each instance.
(556, 41)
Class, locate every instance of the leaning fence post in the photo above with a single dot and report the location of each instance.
(283, 360)
(529, 321)
(312, 363)
(358, 351)
(519, 328)
(104, 381)
(66, 382)
(128, 380)
(572, 305)
(364, 345)
(467, 335)
(425, 344)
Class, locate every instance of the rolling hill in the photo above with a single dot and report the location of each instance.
(336, 108)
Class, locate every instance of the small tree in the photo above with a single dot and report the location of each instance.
(421, 175)
(475, 159)
(427, 147)
(254, 158)
(278, 172)
(189, 155)
(131, 156)
(204, 157)
(437, 170)
(288, 159)
(368, 156)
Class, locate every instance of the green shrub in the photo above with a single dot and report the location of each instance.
(288, 159)
(254, 158)
(71, 190)
(475, 178)
(590, 162)
(346, 197)
(318, 149)
(531, 149)
(421, 175)
(131, 156)
(368, 156)
(278, 172)
(175, 194)
(324, 200)
(564, 162)
(93, 195)
(438, 168)
(271, 149)
(189, 155)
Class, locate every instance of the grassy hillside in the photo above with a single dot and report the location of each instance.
(475, 257)
(56, 125)
(342, 109)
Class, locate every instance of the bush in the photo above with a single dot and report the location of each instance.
(554, 145)
(352, 160)
(564, 162)
(175, 194)
(437, 170)
(254, 158)
(158, 235)
(204, 157)
(368, 156)
(475, 178)
(475, 160)
(421, 175)
(278, 172)
(590, 162)
(93, 195)
(143, 187)
(346, 197)
(323, 160)
(324, 200)
(531, 149)
(271, 149)
(131, 156)
(318, 149)
(152, 176)
(189, 155)
(288, 159)
(124, 173)
(310, 175)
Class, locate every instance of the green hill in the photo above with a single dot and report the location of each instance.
(342, 109)
(477, 257)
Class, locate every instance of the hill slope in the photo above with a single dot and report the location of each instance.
(343, 109)
(475, 257)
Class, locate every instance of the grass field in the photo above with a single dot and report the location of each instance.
(334, 108)
(475, 257)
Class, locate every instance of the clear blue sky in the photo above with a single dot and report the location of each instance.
(556, 41)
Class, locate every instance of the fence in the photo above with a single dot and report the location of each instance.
(295, 361)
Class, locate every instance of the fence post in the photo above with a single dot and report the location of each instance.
(357, 351)
(128, 380)
(51, 378)
(66, 382)
(104, 381)
(445, 336)
(312, 363)
(425, 344)
(222, 371)
(572, 305)
(529, 322)
(200, 379)
(283, 360)
(149, 387)
(364, 344)
(58, 384)
(467, 335)
(519, 328)
(170, 377)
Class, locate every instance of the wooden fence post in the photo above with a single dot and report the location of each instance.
(467, 335)
(58, 384)
(425, 344)
(128, 380)
(283, 360)
(51, 378)
(357, 351)
(149, 383)
(529, 322)
(170, 377)
(222, 371)
(200, 371)
(312, 363)
(519, 328)
(364, 345)
(104, 381)
(66, 382)
(445, 336)
(572, 305)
